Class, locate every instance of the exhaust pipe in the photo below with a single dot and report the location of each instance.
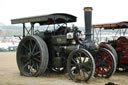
(88, 22)
(89, 43)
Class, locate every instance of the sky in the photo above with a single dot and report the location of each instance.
(104, 11)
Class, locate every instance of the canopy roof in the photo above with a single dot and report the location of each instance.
(56, 18)
(119, 25)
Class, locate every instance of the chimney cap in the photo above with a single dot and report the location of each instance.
(88, 9)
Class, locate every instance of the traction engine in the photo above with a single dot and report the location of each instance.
(62, 49)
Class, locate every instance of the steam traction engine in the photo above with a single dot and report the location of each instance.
(62, 48)
(119, 44)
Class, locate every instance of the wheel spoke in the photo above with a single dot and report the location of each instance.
(31, 43)
(34, 48)
(87, 67)
(80, 57)
(35, 65)
(103, 56)
(28, 58)
(84, 59)
(74, 61)
(32, 64)
(103, 71)
(36, 59)
(27, 64)
(36, 53)
(85, 72)
(78, 70)
(25, 47)
(30, 49)
(32, 68)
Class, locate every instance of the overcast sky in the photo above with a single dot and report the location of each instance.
(104, 11)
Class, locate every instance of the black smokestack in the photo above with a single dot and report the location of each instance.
(88, 22)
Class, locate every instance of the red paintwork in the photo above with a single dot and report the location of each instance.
(121, 46)
(124, 60)
(108, 62)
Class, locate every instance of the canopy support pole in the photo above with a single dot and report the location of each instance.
(28, 31)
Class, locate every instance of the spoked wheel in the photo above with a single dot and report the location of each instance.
(80, 65)
(105, 63)
(32, 56)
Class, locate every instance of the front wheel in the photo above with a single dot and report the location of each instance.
(80, 65)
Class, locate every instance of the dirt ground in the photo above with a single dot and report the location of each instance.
(9, 75)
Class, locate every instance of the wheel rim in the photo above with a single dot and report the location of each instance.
(29, 56)
(80, 66)
(105, 64)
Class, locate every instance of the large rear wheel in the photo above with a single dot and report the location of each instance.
(32, 56)
(80, 65)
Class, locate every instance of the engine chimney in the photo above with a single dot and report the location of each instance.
(88, 22)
